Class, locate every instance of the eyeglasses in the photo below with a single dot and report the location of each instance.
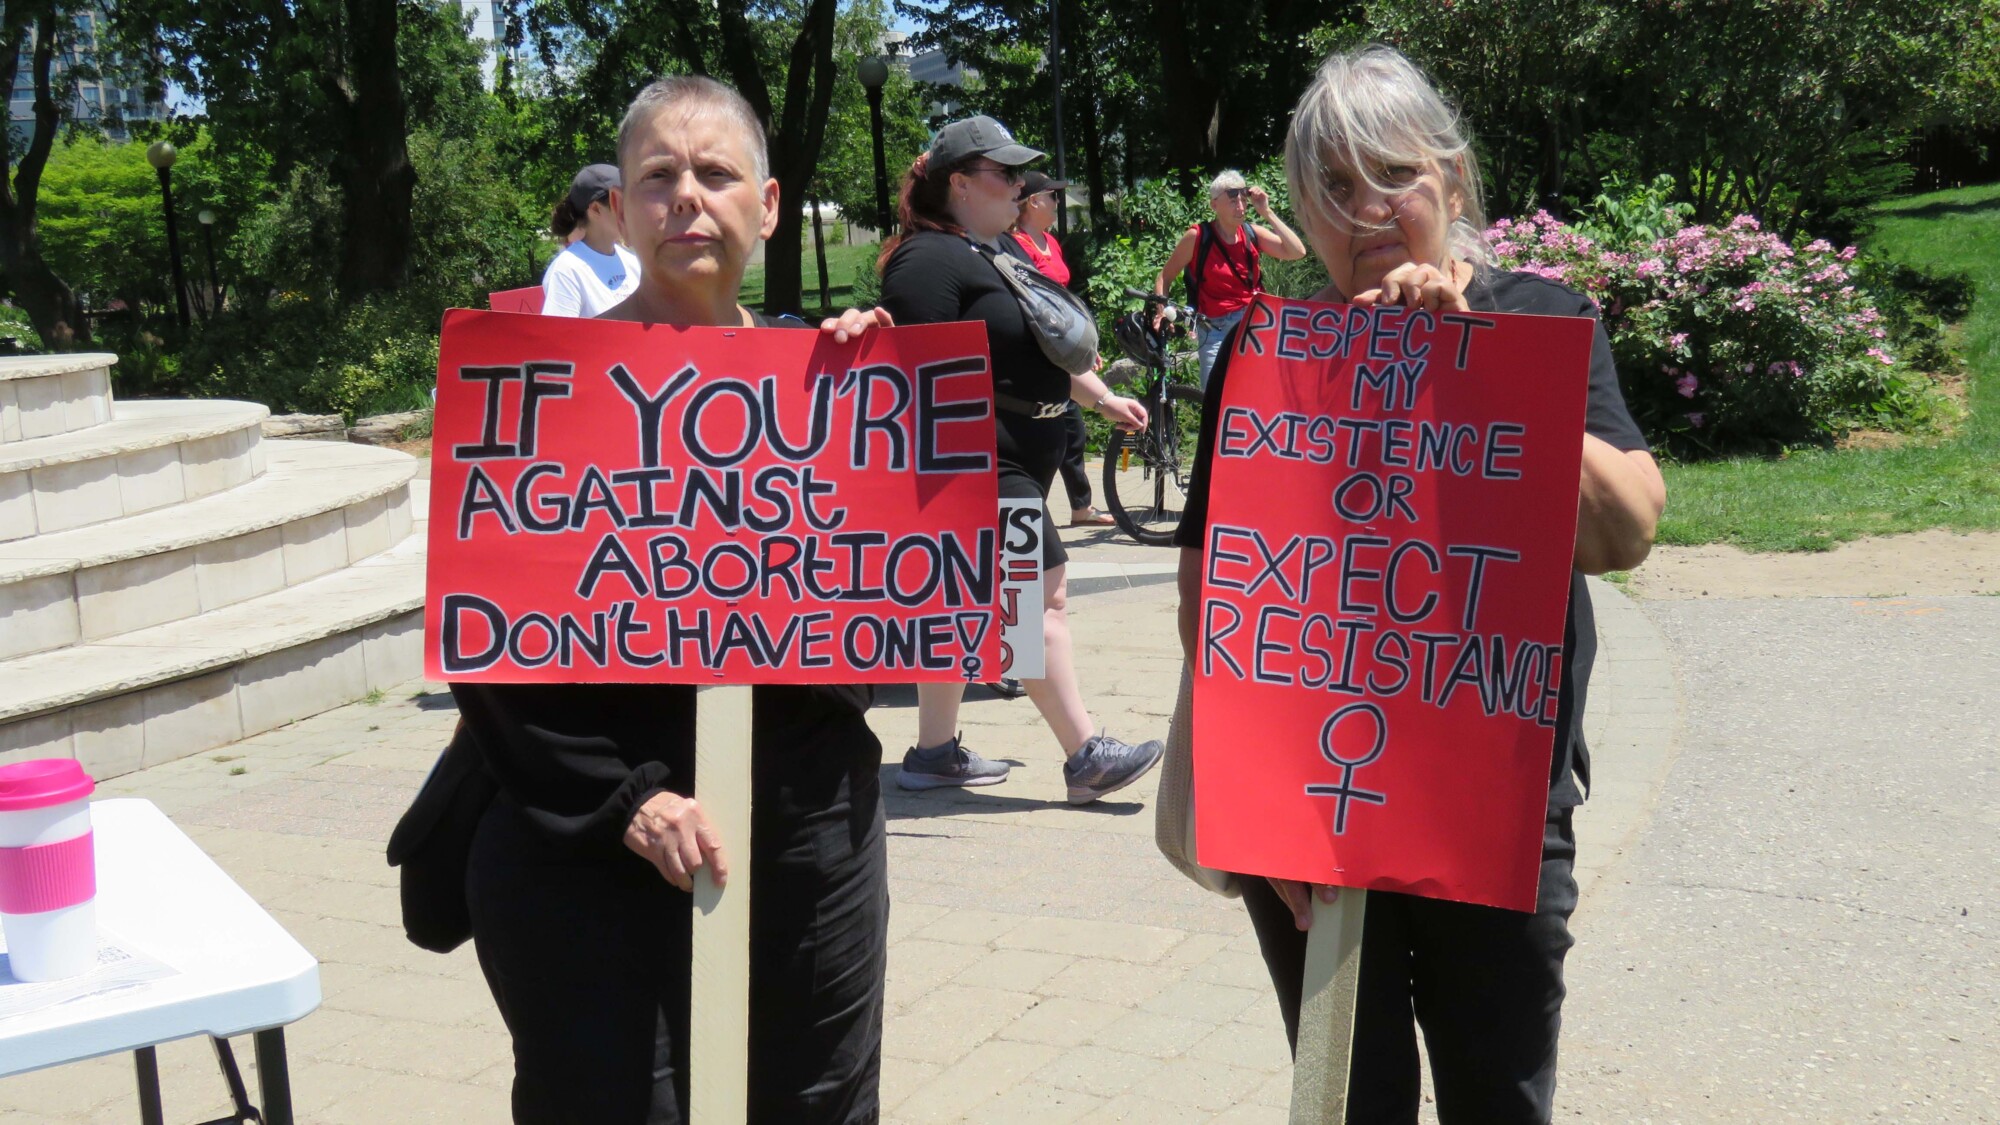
(1007, 175)
(1236, 192)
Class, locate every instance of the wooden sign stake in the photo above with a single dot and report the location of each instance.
(719, 994)
(1326, 1010)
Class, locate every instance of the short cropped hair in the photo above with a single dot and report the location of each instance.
(1229, 180)
(693, 93)
(1370, 108)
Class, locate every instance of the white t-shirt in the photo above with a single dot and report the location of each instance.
(582, 282)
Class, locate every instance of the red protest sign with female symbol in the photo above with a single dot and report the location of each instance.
(1392, 518)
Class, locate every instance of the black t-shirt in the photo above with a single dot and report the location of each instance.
(579, 759)
(934, 277)
(1605, 417)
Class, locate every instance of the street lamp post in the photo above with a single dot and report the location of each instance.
(873, 73)
(1055, 96)
(207, 219)
(161, 156)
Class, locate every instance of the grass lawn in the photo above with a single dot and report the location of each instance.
(841, 262)
(1816, 500)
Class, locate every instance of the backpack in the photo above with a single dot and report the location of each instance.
(1207, 238)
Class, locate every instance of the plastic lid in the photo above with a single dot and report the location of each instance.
(43, 782)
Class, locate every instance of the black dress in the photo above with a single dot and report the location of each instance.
(934, 277)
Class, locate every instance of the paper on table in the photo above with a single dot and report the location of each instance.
(118, 967)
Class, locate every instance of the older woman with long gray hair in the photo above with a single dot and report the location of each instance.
(1387, 188)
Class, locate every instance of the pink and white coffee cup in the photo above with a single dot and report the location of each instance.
(48, 869)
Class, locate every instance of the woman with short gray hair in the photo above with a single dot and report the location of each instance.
(1222, 260)
(1387, 188)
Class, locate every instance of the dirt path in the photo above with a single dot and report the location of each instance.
(1929, 563)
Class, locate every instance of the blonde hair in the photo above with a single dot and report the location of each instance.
(1370, 108)
(696, 93)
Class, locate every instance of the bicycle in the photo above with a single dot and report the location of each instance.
(1147, 474)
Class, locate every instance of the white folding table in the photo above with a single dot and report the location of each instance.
(236, 970)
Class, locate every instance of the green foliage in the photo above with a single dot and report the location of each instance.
(1638, 213)
(1730, 338)
(14, 325)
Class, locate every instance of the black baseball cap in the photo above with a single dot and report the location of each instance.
(592, 184)
(1035, 183)
(980, 136)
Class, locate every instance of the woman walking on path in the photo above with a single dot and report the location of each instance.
(958, 200)
(1031, 234)
(1223, 260)
(580, 870)
(593, 272)
(1388, 189)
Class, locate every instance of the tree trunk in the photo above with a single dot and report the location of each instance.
(1190, 98)
(1093, 136)
(378, 183)
(795, 138)
(1551, 180)
(819, 254)
(51, 305)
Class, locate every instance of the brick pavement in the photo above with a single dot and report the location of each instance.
(1045, 965)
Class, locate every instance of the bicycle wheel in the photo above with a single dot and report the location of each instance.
(1147, 475)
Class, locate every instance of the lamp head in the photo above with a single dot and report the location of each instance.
(161, 155)
(872, 72)
(206, 217)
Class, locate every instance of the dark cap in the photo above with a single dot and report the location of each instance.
(592, 184)
(979, 136)
(1035, 183)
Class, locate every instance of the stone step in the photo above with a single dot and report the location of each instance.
(150, 455)
(162, 693)
(317, 508)
(45, 395)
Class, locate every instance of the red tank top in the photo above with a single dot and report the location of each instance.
(1223, 281)
(1051, 264)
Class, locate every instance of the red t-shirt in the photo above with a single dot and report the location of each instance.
(1051, 264)
(1223, 285)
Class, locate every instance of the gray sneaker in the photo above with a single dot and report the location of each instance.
(1105, 765)
(948, 765)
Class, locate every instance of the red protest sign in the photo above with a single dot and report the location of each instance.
(1392, 516)
(616, 502)
(524, 300)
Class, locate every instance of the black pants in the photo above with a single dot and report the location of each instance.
(1075, 481)
(1485, 985)
(588, 959)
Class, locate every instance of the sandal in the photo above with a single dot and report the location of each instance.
(1091, 517)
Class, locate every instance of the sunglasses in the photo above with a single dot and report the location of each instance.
(1236, 192)
(1006, 174)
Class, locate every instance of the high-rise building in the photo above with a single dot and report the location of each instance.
(100, 101)
(489, 25)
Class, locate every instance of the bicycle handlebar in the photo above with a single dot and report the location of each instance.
(1152, 299)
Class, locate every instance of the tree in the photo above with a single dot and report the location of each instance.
(48, 300)
(316, 83)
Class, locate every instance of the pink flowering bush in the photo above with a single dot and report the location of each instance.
(1728, 337)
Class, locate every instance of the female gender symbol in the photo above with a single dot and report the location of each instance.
(1345, 790)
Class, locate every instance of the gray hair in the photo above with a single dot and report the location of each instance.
(1230, 179)
(1369, 108)
(694, 94)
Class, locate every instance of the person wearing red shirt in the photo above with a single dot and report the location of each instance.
(1226, 255)
(1031, 235)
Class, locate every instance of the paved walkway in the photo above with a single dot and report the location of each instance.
(1809, 928)
(1045, 965)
